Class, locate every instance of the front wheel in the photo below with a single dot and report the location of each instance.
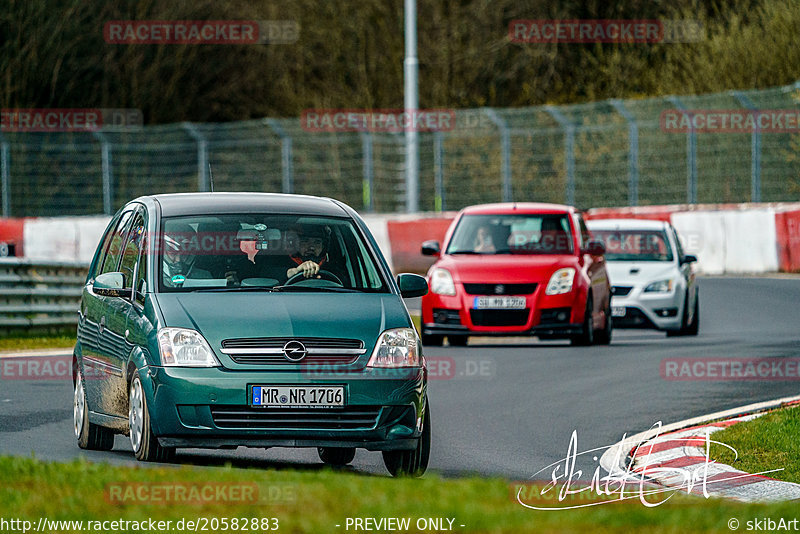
(604, 336)
(414, 462)
(586, 337)
(144, 443)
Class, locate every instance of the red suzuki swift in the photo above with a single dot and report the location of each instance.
(517, 269)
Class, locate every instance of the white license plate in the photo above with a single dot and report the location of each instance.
(617, 311)
(499, 303)
(294, 396)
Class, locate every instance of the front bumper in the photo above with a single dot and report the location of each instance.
(208, 408)
(658, 311)
(544, 316)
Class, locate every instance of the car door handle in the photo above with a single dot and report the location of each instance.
(102, 324)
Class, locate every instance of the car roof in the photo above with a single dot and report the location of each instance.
(178, 204)
(626, 224)
(507, 208)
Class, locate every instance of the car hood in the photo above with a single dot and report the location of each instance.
(629, 273)
(219, 316)
(505, 268)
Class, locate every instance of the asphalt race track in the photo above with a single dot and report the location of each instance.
(508, 407)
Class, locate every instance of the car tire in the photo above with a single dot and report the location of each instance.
(143, 441)
(586, 337)
(414, 462)
(90, 436)
(685, 328)
(604, 336)
(336, 456)
(694, 327)
(432, 340)
(457, 341)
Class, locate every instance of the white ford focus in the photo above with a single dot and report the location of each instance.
(652, 281)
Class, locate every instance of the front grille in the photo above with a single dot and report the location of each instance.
(620, 291)
(269, 350)
(499, 289)
(443, 316)
(499, 317)
(250, 418)
(279, 342)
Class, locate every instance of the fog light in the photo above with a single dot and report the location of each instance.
(666, 312)
(562, 316)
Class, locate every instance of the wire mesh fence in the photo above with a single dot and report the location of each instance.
(609, 153)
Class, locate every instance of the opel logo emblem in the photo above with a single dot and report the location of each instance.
(294, 351)
(499, 289)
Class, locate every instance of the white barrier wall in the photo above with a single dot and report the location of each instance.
(730, 241)
(68, 239)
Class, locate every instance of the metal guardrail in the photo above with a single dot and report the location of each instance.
(36, 294)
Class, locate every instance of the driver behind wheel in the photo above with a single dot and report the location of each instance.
(312, 251)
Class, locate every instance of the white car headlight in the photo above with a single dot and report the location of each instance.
(561, 281)
(442, 282)
(182, 347)
(662, 286)
(397, 347)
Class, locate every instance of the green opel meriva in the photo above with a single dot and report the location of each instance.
(218, 320)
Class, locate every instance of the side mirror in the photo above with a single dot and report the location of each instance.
(412, 285)
(111, 285)
(689, 258)
(595, 247)
(431, 248)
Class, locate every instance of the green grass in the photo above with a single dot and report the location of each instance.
(766, 443)
(314, 500)
(64, 340)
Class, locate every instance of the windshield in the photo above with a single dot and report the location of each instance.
(635, 245)
(264, 252)
(512, 234)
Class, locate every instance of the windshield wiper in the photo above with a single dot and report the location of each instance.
(293, 287)
(234, 288)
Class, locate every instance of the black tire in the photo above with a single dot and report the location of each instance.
(457, 341)
(586, 337)
(412, 463)
(694, 327)
(336, 456)
(146, 447)
(604, 336)
(90, 436)
(432, 340)
(684, 329)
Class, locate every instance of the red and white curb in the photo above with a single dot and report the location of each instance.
(674, 456)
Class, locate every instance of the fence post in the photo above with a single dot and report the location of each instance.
(368, 179)
(5, 180)
(755, 149)
(569, 149)
(691, 155)
(438, 171)
(105, 161)
(286, 155)
(203, 182)
(505, 147)
(633, 152)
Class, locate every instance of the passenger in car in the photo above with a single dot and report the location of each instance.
(179, 262)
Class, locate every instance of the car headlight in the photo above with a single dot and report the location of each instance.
(561, 281)
(442, 282)
(182, 347)
(397, 347)
(662, 286)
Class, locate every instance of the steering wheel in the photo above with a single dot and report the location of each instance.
(323, 274)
